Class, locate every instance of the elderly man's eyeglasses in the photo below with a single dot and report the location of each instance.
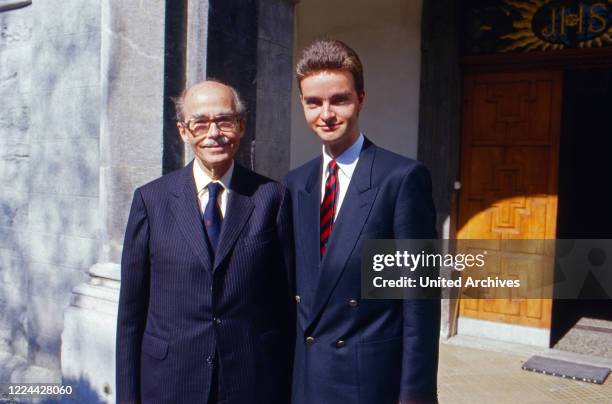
(201, 126)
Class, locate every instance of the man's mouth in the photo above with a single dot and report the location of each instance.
(329, 128)
(216, 142)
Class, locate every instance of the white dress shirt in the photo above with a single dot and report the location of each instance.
(347, 162)
(202, 179)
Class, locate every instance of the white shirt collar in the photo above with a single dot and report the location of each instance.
(347, 161)
(202, 179)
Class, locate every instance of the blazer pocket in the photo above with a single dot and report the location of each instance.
(263, 237)
(385, 341)
(154, 346)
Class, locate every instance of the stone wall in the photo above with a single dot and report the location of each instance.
(49, 170)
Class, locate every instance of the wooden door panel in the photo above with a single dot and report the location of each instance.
(509, 170)
(510, 112)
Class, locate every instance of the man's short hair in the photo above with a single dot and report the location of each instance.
(329, 54)
(179, 102)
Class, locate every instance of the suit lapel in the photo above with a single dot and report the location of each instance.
(237, 213)
(309, 200)
(347, 229)
(187, 214)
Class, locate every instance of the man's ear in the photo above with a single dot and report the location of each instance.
(241, 127)
(361, 97)
(182, 132)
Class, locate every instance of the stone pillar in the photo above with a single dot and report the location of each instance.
(273, 91)
(131, 127)
(439, 120)
(250, 46)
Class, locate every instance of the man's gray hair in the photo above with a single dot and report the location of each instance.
(179, 102)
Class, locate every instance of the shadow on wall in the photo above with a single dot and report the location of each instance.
(49, 128)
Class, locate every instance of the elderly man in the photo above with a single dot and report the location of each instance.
(205, 312)
(351, 350)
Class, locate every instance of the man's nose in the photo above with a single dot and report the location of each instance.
(213, 131)
(328, 112)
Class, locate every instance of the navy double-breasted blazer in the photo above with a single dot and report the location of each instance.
(352, 350)
(181, 313)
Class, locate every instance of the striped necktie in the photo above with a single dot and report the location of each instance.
(212, 215)
(328, 207)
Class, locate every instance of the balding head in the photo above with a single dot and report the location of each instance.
(212, 87)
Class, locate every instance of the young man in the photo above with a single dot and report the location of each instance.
(350, 350)
(205, 310)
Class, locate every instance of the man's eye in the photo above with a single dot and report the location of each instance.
(340, 100)
(312, 102)
(200, 125)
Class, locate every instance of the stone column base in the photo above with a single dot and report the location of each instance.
(88, 338)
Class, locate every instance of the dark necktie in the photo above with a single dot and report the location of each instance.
(212, 215)
(328, 207)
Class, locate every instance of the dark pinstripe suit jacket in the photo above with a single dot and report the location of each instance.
(178, 308)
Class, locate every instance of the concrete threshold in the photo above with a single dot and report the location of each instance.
(525, 351)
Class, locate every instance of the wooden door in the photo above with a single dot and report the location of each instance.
(509, 166)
